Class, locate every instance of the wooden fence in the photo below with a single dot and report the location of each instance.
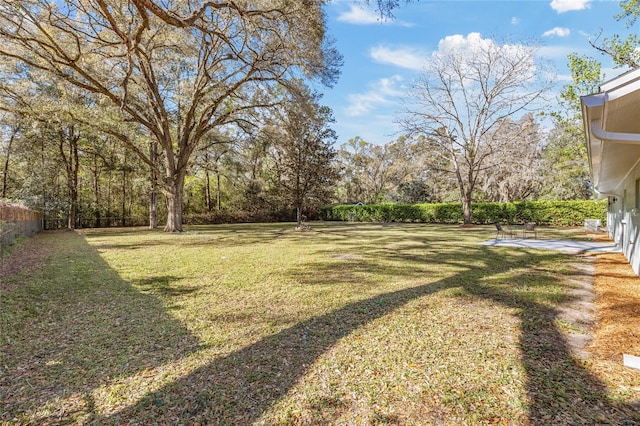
(17, 221)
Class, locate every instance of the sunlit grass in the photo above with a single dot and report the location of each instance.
(345, 324)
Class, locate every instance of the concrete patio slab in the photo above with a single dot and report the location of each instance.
(567, 246)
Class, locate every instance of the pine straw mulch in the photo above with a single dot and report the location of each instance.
(617, 331)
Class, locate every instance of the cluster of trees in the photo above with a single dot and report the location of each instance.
(79, 176)
(253, 176)
(161, 82)
(522, 167)
(109, 107)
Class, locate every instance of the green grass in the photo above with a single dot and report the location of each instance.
(259, 324)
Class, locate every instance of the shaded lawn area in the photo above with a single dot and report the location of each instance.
(259, 324)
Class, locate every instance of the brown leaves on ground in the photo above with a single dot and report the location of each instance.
(28, 257)
(617, 290)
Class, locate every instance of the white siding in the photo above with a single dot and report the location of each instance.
(622, 225)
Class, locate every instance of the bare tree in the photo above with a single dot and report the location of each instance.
(177, 69)
(467, 90)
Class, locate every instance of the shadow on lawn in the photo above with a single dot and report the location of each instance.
(75, 327)
(237, 389)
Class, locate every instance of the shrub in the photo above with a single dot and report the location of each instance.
(556, 213)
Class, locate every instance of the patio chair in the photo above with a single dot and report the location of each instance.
(503, 231)
(531, 229)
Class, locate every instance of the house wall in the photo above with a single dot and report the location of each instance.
(623, 217)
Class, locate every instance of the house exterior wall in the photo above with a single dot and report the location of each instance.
(623, 217)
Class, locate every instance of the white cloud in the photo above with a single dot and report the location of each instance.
(359, 16)
(459, 43)
(474, 45)
(403, 57)
(562, 6)
(515, 21)
(557, 32)
(381, 93)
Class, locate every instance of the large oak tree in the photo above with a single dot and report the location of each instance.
(176, 70)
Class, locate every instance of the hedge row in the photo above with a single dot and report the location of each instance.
(556, 213)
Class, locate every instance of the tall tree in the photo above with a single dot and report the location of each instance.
(565, 168)
(177, 69)
(68, 137)
(302, 150)
(12, 127)
(469, 87)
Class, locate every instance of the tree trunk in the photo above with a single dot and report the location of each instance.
(108, 220)
(218, 202)
(123, 214)
(466, 210)
(174, 195)
(153, 193)
(96, 190)
(43, 186)
(299, 216)
(73, 210)
(5, 169)
(207, 190)
(75, 167)
(72, 166)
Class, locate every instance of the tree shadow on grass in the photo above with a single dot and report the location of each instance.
(239, 388)
(76, 326)
(163, 286)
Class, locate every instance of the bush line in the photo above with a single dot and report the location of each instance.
(554, 213)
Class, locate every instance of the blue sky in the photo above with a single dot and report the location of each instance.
(381, 58)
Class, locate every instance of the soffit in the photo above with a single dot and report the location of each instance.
(612, 126)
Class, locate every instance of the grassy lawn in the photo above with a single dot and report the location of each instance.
(259, 324)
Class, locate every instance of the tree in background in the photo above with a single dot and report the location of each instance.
(565, 168)
(301, 151)
(566, 173)
(467, 91)
(513, 167)
(12, 127)
(374, 173)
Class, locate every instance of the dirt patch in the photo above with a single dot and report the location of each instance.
(576, 318)
(27, 258)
